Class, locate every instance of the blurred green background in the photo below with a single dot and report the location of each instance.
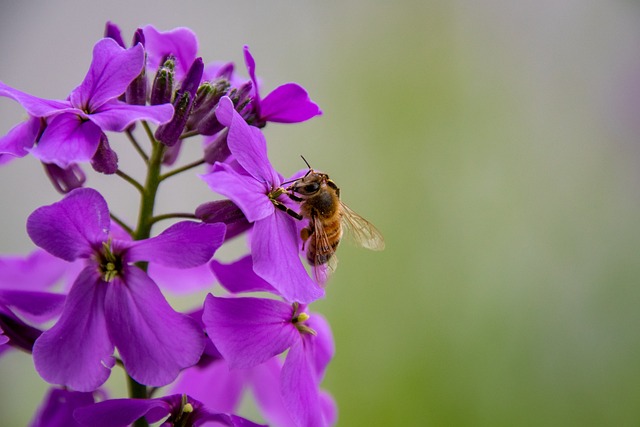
(496, 146)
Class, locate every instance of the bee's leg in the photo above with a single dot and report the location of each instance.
(295, 198)
(305, 233)
(289, 211)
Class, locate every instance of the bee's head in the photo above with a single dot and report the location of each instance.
(310, 184)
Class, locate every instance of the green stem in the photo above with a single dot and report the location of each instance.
(148, 199)
(171, 216)
(130, 180)
(182, 169)
(137, 146)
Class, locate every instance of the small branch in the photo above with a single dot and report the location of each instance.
(182, 169)
(122, 224)
(137, 146)
(130, 180)
(150, 134)
(189, 134)
(158, 218)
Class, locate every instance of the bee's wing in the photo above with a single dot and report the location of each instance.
(323, 267)
(361, 231)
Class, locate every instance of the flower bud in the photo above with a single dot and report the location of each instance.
(207, 97)
(224, 211)
(112, 31)
(217, 150)
(65, 179)
(162, 88)
(170, 132)
(136, 93)
(105, 160)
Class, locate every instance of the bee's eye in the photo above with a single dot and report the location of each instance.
(311, 188)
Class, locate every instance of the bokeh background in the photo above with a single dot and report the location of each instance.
(494, 143)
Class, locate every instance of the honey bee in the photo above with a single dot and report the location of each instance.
(328, 216)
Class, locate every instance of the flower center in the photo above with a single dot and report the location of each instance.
(299, 319)
(109, 264)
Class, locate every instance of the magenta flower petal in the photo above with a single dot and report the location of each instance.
(251, 68)
(72, 227)
(181, 281)
(67, 139)
(33, 306)
(154, 341)
(292, 282)
(289, 103)
(321, 345)
(238, 277)
(183, 245)
(247, 144)
(121, 412)
(300, 388)
(20, 138)
(37, 271)
(110, 72)
(77, 351)
(37, 107)
(180, 42)
(197, 382)
(247, 193)
(249, 331)
(329, 408)
(265, 383)
(58, 406)
(116, 116)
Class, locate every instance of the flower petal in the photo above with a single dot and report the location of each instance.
(299, 387)
(183, 280)
(77, 352)
(249, 194)
(197, 383)
(238, 277)
(72, 227)
(289, 103)
(183, 245)
(58, 407)
(121, 412)
(116, 116)
(321, 345)
(247, 144)
(251, 68)
(37, 107)
(112, 69)
(274, 245)
(154, 341)
(67, 139)
(20, 138)
(249, 331)
(265, 382)
(34, 306)
(37, 271)
(180, 42)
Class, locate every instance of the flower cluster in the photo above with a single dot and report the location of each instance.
(91, 296)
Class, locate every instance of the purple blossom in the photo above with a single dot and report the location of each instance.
(288, 103)
(113, 302)
(182, 410)
(76, 125)
(58, 406)
(249, 331)
(256, 188)
(180, 43)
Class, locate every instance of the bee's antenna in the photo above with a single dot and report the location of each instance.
(305, 160)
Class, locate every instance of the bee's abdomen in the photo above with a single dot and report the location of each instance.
(320, 251)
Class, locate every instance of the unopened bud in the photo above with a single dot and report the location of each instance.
(162, 89)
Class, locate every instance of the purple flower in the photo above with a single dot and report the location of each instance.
(249, 331)
(182, 410)
(76, 125)
(288, 103)
(58, 406)
(255, 187)
(113, 302)
(180, 43)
